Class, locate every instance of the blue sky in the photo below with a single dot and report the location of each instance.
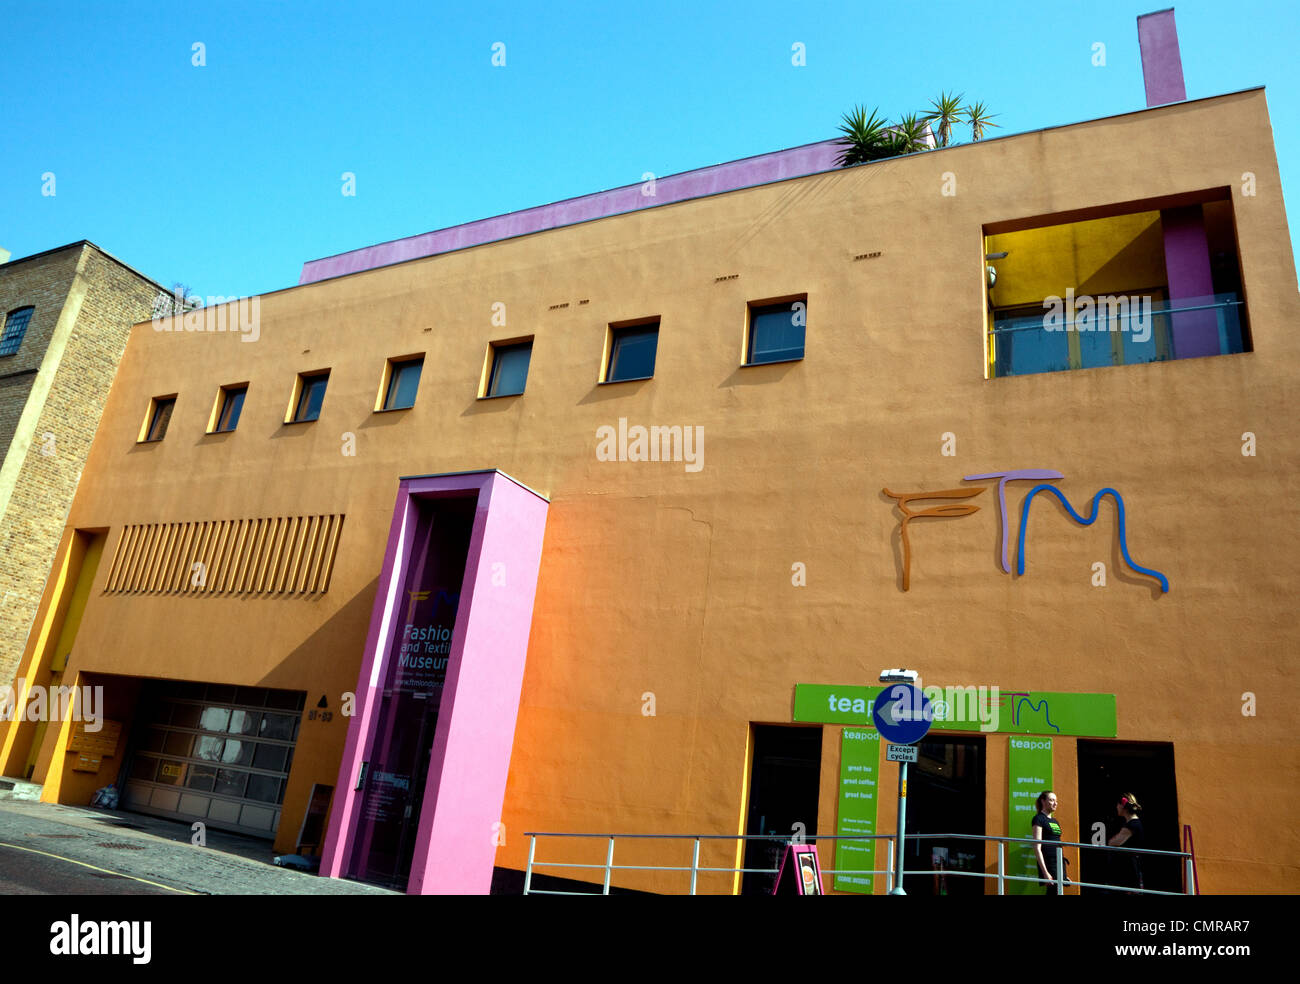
(227, 177)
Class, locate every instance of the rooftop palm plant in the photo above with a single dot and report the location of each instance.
(947, 111)
(910, 134)
(866, 137)
(870, 137)
(978, 116)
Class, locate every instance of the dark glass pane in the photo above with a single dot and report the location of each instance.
(270, 757)
(403, 384)
(311, 398)
(278, 726)
(156, 739)
(200, 777)
(15, 328)
(162, 415)
(510, 370)
(230, 782)
(144, 768)
(633, 354)
(265, 789)
(220, 693)
(776, 333)
(185, 715)
(178, 743)
(230, 410)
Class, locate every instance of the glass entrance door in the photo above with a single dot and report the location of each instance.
(396, 773)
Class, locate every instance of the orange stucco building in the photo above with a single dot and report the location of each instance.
(679, 602)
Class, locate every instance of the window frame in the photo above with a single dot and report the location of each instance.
(301, 388)
(156, 405)
(756, 308)
(5, 337)
(224, 394)
(491, 365)
(392, 373)
(614, 334)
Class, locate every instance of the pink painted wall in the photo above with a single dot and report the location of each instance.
(456, 846)
(1162, 65)
(745, 173)
(455, 849)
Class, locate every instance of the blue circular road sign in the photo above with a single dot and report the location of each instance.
(902, 714)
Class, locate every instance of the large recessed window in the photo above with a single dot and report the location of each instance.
(309, 395)
(776, 331)
(15, 329)
(509, 368)
(230, 403)
(1139, 282)
(402, 380)
(158, 417)
(632, 350)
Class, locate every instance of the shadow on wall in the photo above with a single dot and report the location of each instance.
(339, 641)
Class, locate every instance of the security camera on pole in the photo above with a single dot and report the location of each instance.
(902, 714)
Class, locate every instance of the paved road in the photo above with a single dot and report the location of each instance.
(139, 855)
(24, 872)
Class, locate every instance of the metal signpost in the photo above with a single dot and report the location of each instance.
(902, 715)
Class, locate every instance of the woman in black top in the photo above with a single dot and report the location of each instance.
(1047, 829)
(1128, 867)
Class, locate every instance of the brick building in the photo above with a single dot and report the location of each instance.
(67, 314)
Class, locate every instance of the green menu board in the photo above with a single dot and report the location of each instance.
(1029, 772)
(859, 757)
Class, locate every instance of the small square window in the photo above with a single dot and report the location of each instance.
(311, 394)
(776, 331)
(160, 415)
(403, 382)
(632, 352)
(509, 369)
(15, 329)
(231, 405)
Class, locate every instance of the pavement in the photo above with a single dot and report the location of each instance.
(48, 848)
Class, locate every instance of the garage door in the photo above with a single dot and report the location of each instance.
(213, 752)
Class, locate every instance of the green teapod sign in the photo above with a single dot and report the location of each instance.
(859, 754)
(988, 709)
(1029, 772)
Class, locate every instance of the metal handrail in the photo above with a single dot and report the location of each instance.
(695, 868)
(1036, 324)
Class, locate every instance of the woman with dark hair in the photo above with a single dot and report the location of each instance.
(1047, 829)
(1128, 867)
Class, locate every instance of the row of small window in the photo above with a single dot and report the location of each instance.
(774, 333)
(15, 328)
